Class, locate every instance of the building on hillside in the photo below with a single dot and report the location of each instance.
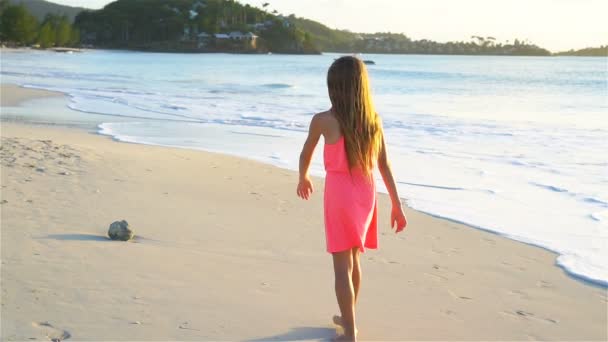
(248, 39)
(258, 26)
(236, 35)
(203, 40)
(186, 34)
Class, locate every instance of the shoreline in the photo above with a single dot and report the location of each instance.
(84, 50)
(24, 94)
(226, 239)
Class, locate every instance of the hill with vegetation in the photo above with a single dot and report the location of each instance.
(194, 25)
(191, 25)
(18, 27)
(331, 40)
(222, 26)
(41, 8)
(601, 51)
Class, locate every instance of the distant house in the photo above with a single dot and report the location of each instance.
(249, 39)
(236, 35)
(221, 36)
(203, 39)
(186, 34)
(258, 26)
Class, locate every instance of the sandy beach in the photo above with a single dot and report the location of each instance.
(12, 95)
(224, 250)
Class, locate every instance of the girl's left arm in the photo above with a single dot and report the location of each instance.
(305, 187)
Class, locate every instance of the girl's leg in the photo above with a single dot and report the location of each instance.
(345, 292)
(356, 276)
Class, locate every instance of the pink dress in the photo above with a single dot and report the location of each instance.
(350, 203)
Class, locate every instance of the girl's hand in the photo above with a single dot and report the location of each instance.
(305, 188)
(398, 219)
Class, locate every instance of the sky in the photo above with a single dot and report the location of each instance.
(556, 25)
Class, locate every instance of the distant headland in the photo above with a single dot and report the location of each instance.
(221, 26)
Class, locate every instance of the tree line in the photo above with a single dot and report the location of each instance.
(175, 25)
(601, 51)
(19, 27)
(332, 40)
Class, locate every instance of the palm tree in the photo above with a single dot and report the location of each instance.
(264, 6)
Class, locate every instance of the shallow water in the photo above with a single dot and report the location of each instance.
(514, 145)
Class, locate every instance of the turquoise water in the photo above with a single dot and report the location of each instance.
(514, 145)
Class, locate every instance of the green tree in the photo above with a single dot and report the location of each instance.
(74, 37)
(3, 6)
(46, 36)
(63, 32)
(18, 25)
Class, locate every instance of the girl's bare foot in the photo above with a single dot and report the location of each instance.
(343, 338)
(338, 321)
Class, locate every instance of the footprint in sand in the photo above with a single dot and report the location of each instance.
(52, 333)
(186, 326)
(520, 293)
(490, 241)
(446, 270)
(436, 277)
(455, 296)
(544, 284)
(521, 314)
(451, 314)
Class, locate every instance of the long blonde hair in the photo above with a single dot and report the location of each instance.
(352, 105)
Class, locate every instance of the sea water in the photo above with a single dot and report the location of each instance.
(512, 145)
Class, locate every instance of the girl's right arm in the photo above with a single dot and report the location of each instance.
(305, 187)
(397, 216)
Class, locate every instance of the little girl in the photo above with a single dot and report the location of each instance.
(354, 145)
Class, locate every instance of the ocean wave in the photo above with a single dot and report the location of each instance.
(175, 107)
(277, 85)
(596, 201)
(449, 188)
(442, 187)
(549, 187)
(600, 216)
(582, 197)
(107, 78)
